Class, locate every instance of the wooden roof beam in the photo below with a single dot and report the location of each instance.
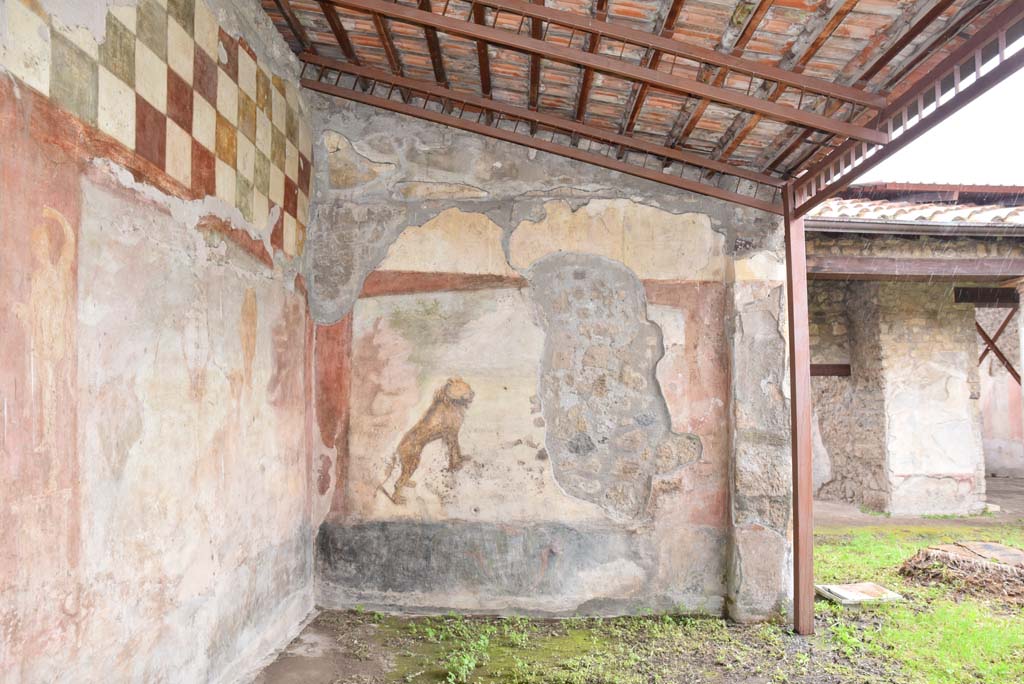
(587, 80)
(434, 48)
(536, 32)
(689, 118)
(482, 54)
(989, 269)
(340, 34)
(616, 67)
(380, 24)
(295, 25)
(652, 60)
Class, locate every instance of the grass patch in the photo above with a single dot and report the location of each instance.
(939, 635)
(936, 637)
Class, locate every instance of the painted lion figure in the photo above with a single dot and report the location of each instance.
(441, 421)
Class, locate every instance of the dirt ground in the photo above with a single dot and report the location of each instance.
(363, 648)
(1007, 493)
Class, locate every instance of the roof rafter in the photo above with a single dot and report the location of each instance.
(483, 54)
(384, 33)
(295, 25)
(341, 35)
(732, 42)
(615, 67)
(594, 41)
(536, 32)
(800, 53)
(652, 59)
(434, 47)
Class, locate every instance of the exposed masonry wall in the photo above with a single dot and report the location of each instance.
(851, 411)
(610, 332)
(902, 434)
(1002, 427)
(910, 246)
(828, 323)
(157, 519)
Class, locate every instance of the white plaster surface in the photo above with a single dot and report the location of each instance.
(453, 242)
(404, 348)
(653, 243)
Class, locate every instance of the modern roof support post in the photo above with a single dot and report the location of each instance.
(800, 416)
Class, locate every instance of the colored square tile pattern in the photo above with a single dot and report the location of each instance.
(196, 102)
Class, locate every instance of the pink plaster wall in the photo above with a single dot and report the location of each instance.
(155, 423)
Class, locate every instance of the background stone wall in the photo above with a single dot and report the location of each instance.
(599, 322)
(903, 433)
(157, 518)
(829, 324)
(851, 411)
(899, 246)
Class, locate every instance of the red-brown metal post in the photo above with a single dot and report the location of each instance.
(800, 416)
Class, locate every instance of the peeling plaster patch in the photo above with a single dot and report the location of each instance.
(246, 18)
(760, 266)
(90, 15)
(189, 212)
(609, 432)
(351, 239)
(653, 243)
(453, 242)
(348, 168)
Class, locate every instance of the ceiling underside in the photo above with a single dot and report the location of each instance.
(731, 98)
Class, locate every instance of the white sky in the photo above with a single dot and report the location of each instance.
(983, 143)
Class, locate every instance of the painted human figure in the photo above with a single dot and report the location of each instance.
(49, 317)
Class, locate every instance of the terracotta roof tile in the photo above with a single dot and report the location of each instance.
(840, 56)
(901, 212)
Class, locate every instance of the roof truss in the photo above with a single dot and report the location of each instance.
(974, 67)
(835, 130)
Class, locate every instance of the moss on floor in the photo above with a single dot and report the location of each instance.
(940, 635)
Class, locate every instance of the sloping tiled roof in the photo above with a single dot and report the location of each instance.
(885, 211)
(867, 44)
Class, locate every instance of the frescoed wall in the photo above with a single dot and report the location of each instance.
(539, 392)
(156, 503)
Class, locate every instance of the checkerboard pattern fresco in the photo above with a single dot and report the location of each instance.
(168, 83)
